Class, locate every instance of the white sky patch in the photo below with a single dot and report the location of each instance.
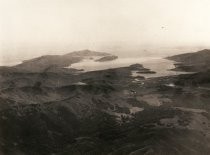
(30, 28)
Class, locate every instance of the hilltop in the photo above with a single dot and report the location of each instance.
(197, 61)
(57, 63)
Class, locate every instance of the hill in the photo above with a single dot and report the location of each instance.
(198, 61)
(49, 111)
(55, 63)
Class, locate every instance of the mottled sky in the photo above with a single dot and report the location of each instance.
(31, 28)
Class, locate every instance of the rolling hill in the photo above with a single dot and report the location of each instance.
(197, 61)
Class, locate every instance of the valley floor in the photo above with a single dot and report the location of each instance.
(105, 112)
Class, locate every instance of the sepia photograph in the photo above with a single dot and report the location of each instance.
(104, 77)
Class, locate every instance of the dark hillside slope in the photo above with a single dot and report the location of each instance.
(198, 61)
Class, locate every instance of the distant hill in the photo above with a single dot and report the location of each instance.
(198, 61)
(55, 63)
(85, 53)
(193, 62)
(107, 58)
(44, 111)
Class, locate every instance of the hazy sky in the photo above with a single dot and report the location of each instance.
(35, 27)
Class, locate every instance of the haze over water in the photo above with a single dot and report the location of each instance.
(161, 66)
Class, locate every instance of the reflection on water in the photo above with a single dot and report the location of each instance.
(91, 65)
(159, 65)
